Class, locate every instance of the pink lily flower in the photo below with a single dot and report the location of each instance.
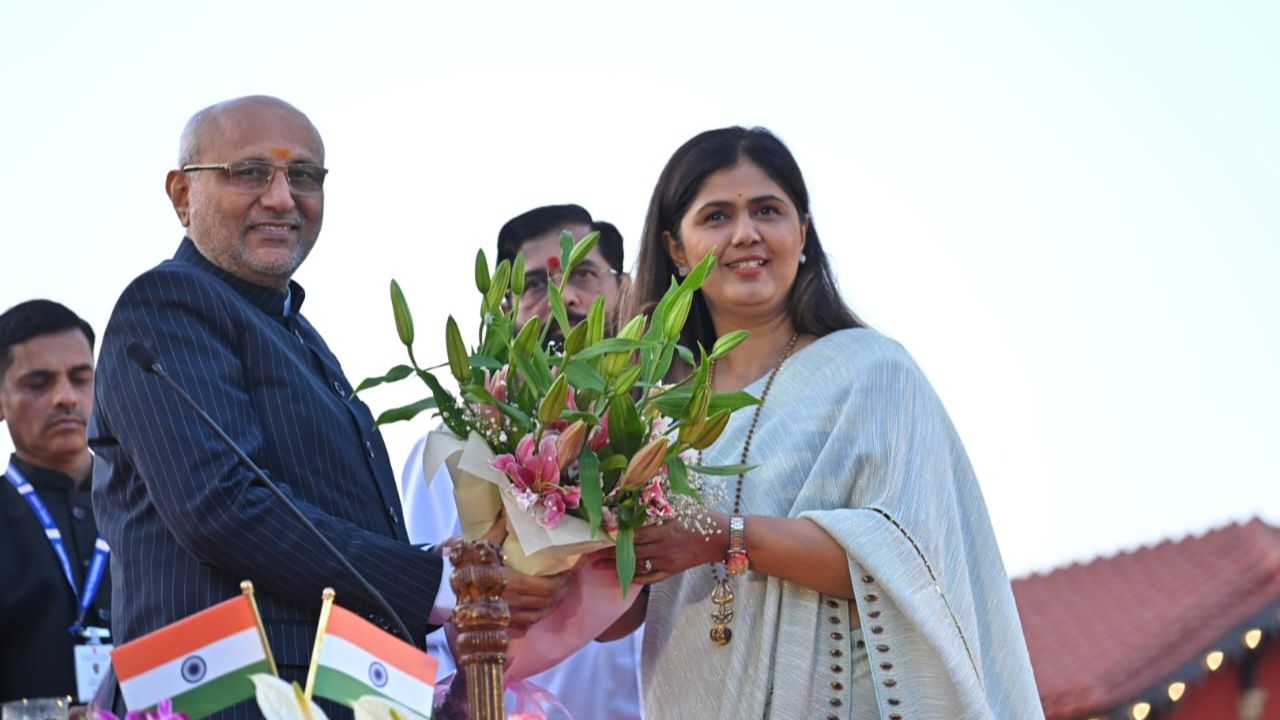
(599, 436)
(528, 469)
(553, 510)
(655, 500)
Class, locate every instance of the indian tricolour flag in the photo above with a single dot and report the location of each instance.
(203, 662)
(358, 659)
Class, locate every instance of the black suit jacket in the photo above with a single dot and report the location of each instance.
(185, 520)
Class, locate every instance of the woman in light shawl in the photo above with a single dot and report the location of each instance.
(853, 572)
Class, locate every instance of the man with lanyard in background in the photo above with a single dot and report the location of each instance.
(53, 562)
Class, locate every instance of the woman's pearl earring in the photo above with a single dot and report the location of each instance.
(803, 258)
(682, 270)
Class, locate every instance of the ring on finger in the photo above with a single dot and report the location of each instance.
(648, 566)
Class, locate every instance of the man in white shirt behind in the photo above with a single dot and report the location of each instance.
(602, 680)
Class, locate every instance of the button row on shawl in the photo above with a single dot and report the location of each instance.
(837, 684)
(874, 613)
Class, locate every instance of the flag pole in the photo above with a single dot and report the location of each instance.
(246, 587)
(325, 606)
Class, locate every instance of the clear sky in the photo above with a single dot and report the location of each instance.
(1067, 211)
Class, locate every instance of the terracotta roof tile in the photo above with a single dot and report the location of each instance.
(1102, 632)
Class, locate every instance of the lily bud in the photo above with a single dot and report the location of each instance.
(569, 444)
(517, 275)
(614, 363)
(482, 272)
(710, 431)
(645, 464)
(677, 315)
(555, 401)
(696, 411)
(404, 319)
(628, 380)
(576, 340)
(459, 361)
(527, 339)
(595, 321)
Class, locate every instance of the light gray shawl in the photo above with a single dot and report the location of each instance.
(853, 438)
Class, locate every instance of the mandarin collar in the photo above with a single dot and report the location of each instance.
(41, 477)
(269, 300)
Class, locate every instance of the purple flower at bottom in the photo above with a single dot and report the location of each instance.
(163, 711)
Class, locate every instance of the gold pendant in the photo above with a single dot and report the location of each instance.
(722, 596)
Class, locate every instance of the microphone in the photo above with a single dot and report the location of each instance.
(142, 356)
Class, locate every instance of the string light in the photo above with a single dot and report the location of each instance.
(1213, 660)
(1176, 689)
(1252, 638)
(1140, 711)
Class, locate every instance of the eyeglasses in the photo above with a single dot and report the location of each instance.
(256, 176)
(584, 278)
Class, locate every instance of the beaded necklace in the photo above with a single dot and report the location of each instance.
(722, 594)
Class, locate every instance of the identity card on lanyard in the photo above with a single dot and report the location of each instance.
(90, 664)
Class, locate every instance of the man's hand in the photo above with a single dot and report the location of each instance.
(533, 597)
(529, 597)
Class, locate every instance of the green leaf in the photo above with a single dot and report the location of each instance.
(404, 319)
(557, 308)
(699, 273)
(626, 558)
(731, 401)
(395, 374)
(685, 354)
(537, 373)
(727, 342)
(518, 416)
(611, 345)
(672, 402)
(445, 403)
(497, 337)
(458, 358)
(592, 491)
(482, 272)
(626, 430)
(478, 394)
(484, 361)
(662, 363)
(678, 474)
(583, 376)
(722, 470)
(405, 412)
(614, 462)
(585, 397)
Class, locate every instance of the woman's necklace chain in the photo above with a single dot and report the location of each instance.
(722, 594)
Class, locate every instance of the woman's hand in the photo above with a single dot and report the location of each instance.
(672, 547)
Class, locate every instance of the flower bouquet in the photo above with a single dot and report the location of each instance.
(579, 444)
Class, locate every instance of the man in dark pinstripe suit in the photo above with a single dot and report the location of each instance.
(185, 520)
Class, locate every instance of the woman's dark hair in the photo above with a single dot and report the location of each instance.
(814, 302)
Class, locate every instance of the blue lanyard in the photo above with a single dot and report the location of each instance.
(97, 566)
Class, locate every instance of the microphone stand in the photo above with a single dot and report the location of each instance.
(145, 359)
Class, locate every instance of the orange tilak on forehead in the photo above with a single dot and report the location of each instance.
(281, 153)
